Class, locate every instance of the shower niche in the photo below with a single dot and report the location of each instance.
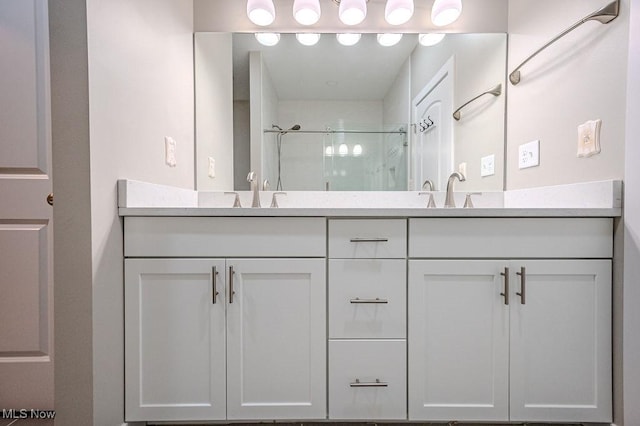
(338, 157)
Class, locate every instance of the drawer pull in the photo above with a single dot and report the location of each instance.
(376, 300)
(369, 240)
(214, 275)
(376, 384)
(523, 278)
(231, 291)
(505, 274)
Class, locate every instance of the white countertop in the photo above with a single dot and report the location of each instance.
(591, 199)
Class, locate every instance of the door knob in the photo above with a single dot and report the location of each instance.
(50, 199)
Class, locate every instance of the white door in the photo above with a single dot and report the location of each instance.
(175, 339)
(276, 339)
(458, 341)
(432, 151)
(561, 342)
(26, 272)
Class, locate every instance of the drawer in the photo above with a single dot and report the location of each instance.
(224, 237)
(367, 379)
(367, 298)
(367, 238)
(511, 238)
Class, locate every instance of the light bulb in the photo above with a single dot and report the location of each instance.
(268, 39)
(328, 151)
(306, 12)
(261, 12)
(308, 39)
(348, 39)
(430, 39)
(352, 12)
(444, 12)
(343, 149)
(357, 150)
(397, 12)
(389, 39)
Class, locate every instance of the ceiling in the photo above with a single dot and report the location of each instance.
(325, 71)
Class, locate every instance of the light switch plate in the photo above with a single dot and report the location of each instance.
(529, 155)
(169, 151)
(488, 165)
(212, 167)
(462, 169)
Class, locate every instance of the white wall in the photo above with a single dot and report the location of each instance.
(214, 110)
(231, 15)
(397, 110)
(581, 77)
(241, 145)
(140, 56)
(479, 66)
(631, 318)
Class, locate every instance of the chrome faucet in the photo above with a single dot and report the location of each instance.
(252, 178)
(449, 201)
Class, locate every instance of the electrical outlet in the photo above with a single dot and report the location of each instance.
(212, 167)
(529, 155)
(488, 165)
(169, 151)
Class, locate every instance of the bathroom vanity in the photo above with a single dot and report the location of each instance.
(341, 313)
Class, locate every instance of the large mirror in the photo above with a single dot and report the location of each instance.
(361, 117)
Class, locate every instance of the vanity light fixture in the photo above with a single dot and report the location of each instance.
(261, 12)
(308, 39)
(445, 12)
(268, 39)
(397, 12)
(352, 12)
(306, 12)
(348, 39)
(389, 39)
(430, 39)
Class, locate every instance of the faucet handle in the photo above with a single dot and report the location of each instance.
(236, 201)
(252, 176)
(467, 201)
(431, 203)
(274, 199)
(428, 185)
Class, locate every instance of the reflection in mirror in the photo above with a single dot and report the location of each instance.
(370, 117)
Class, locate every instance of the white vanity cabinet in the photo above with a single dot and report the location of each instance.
(479, 350)
(367, 319)
(255, 351)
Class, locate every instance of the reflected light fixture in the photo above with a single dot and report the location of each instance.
(352, 12)
(261, 12)
(357, 150)
(268, 39)
(444, 12)
(389, 39)
(348, 39)
(343, 149)
(308, 39)
(328, 151)
(397, 12)
(306, 12)
(430, 39)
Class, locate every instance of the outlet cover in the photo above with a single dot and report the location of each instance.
(529, 155)
(488, 165)
(169, 151)
(212, 167)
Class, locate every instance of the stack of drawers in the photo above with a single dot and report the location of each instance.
(367, 319)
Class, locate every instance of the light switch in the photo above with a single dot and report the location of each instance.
(529, 154)
(589, 138)
(212, 167)
(170, 151)
(462, 169)
(488, 165)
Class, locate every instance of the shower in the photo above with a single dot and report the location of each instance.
(279, 149)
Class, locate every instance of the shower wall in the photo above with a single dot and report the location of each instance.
(303, 155)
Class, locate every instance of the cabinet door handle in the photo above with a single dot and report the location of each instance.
(505, 274)
(376, 384)
(523, 279)
(231, 291)
(369, 240)
(214, 279)
(376, 300)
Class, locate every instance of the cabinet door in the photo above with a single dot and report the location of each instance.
(561, 342)
(458, 341)
(276, 339)
(174, 339)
